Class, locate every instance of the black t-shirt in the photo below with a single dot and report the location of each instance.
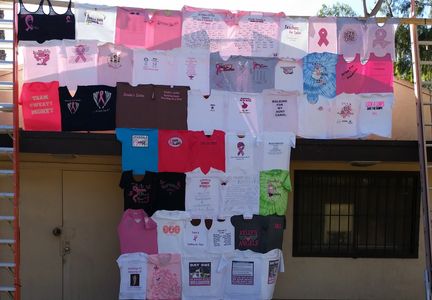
(40, 27)
(259, 234)
(171, 191)
(249, 233)
(139, 194)
(274, 227)
(91, 108)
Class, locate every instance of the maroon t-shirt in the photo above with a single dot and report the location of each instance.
(171, 106)
(136, 107)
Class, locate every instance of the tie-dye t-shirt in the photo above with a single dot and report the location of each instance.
(274, 188)
(319, 75)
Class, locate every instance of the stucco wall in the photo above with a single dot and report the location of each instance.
(304, 278)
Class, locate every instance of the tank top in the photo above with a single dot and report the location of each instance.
(38, 26)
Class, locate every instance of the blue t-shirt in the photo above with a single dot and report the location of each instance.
(319, 75)
(139, 149)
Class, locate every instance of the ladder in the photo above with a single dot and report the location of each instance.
(424, 136)
(9, 160)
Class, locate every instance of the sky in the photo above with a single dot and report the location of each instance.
(289, 7)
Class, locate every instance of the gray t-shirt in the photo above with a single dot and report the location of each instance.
(242, 74)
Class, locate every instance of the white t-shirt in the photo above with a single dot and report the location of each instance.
(170, 230)
(192, 69)
(133, 275)
(41, 61)
(375, 115)
(344, 116)
(195, 238)
(255, 34)
(351, 38)
(221, 236)
(201, 278)
(240, 152)
(289, 75)
(114, 64)
(314, 119)
(272, 263)
(95, 22)
(244, 112)
(203, 193)
(294, 37)
(380, 40)
(206, 114)
(240, 194)
(78, 63)
(203, 29)
(275, 150)
(280, 111)
(243, 280)
(153, 67)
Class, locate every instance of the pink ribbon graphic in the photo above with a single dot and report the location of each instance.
(323, 37)
(380, 36)
(240, 147)
(68, 19)
(79, 51)
(29, 22)
(101, 99)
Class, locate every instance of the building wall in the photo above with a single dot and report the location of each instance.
(43, 201)
(348, 278)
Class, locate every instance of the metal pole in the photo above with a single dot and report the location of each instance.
(422, 153)
(16, 178)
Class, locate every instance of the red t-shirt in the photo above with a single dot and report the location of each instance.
(41, 106)
(208, 151)
(175, 150)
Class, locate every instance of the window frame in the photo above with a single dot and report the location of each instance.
(353, 248)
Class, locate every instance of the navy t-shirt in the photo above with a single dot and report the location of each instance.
(91, 108)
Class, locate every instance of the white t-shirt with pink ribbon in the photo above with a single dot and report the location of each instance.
(380, 38)
(322, 34)
(78, 63)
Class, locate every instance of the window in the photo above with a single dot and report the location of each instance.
(356, 214)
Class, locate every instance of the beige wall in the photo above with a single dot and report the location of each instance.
(304, 278)
(404, 111)
(348, 278)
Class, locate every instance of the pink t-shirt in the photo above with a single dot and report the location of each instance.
(150, 29)
(164, 277)
(378, 74)
(322, 34)
(350, 75)
(374, 76)
(41, 106)
(114, 64)
(137, 232)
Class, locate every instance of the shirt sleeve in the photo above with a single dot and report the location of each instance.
(121, 134)
(124, 179)
(281, 263)
(287, 182)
